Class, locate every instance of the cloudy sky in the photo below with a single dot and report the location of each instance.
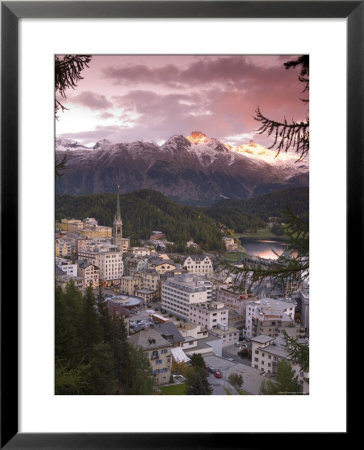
(126, 98)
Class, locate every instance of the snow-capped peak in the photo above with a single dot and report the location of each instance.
(259, 152)
(196, 137)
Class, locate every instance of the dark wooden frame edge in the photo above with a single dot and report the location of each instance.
(11, 12)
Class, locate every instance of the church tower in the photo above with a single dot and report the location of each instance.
(117, 229)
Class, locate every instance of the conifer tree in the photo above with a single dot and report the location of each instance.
(285, 382)
(104, 316)
(141, 376)
(90, 330)
(122, 354)
(100, 375)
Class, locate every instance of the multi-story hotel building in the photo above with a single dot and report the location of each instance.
(181, 291)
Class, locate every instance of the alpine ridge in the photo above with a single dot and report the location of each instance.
(195, 170)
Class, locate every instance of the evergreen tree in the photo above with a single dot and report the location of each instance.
(141, 374)
(89, 326)
(70, 380)
(197, 382)
(122, 354)
(298, 352)
(285, 382)
(104, 316)
(68, 70)
(100, 374)
(65, 333)
(198, 361)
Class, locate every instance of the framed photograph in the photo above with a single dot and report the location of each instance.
(198, 81)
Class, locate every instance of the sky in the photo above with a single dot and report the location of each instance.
(125, 98)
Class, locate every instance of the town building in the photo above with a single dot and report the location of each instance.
(229, 243)
(151, 280)
(268, 351)
(161, 265)
(110, 264)
(304, 306)
(234, 299)
(129, 285)
(147, 295)
(270, 317)
(64, 248)
(209, 314)
(199, 264)
(158, 351)
(170, 332)
(199, 340)
(228, 335)
(134, 264)
(67, 266)
(140, 251)
(89, 273)
(71, 225)
(179, 292)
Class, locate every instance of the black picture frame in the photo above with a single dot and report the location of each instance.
(11, 12)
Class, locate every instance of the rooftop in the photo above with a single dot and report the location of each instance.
(169, 329)
(262, 339)
(149, 339)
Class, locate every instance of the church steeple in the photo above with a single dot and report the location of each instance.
(117, 229)
(118, 213)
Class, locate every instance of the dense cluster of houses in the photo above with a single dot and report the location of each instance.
(190, 306)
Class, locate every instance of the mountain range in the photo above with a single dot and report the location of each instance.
(195, 170)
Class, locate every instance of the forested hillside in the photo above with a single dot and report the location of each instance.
(250, 214)
(142, 212)
(147, 210)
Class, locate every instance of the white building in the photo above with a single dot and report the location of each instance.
(209, 314)
(279, 313)
(181, 291)
(199, 265)
(140, 251)
(110, 263)
(304, 300)
(67, 266)
(228, 335)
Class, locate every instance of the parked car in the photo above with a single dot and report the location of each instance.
(211, 370)
(218, 374)
(238, 344)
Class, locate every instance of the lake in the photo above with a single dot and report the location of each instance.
(263, 248)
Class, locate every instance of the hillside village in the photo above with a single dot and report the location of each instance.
(178, 305)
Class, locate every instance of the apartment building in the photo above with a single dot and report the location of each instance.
(158, 351)
(67, 266)
(270, 316)
(181, 291)
(228, 335)
(198, 264)
(209, 314)
(268, 351)
(89, 273)
(129, 285)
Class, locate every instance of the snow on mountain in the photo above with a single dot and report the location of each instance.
(196, 168)
(69, 145)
